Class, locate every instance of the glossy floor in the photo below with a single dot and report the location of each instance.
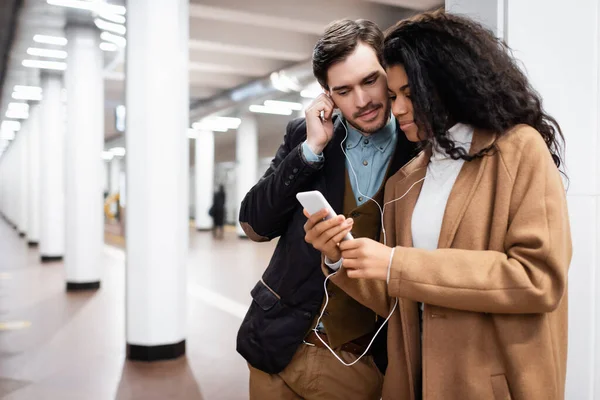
(63, 346)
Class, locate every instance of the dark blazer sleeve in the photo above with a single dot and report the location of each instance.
(267, 208)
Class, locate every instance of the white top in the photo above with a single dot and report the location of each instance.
(442, 172)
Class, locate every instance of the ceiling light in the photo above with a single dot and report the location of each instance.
(55, 65)
(34, 51)
(109, 37)
(29, 89)
(27, 96)
(14, 114)
(284, 83)
(117, 19)
(109, 26)
(107, 155)
(105, 46)
(270, 110)
(10, 126)
(7, 135)
(118, 151)
(56, 40)
(217, 124)
(283, 104)
(97, 6)
(21, 107)
(312, 91)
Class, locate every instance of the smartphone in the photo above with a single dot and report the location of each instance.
(314, 202)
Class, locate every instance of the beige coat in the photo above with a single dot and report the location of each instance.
(495, 291)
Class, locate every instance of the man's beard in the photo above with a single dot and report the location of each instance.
(369, 130)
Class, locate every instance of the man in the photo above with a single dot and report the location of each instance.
(287, 360)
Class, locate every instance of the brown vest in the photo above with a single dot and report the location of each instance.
(346, 319)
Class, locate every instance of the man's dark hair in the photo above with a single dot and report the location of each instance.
(340, 40)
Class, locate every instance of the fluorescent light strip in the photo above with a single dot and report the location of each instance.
(109, 26)
(10, 126)
(96, 6)
(54, 65)
(34, 51)
(107, 155)
(270, 110)
(109, 37)
(117, 19)
(105, 46)
(28, 89)
(283, 105)
(56, 40)
(16, 114)
(21, 107)
(31, 96)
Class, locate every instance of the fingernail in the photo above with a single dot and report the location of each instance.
(350, 221)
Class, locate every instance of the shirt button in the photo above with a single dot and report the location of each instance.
(360, 198)
(287, 183)
(295, 170)
(366, 141)
(365, 163)
(291, 177)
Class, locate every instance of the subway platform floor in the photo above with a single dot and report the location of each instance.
(56, 345)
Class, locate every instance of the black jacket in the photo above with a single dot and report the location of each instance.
(289, 296)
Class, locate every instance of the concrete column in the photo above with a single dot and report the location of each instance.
(157, 166)
(33, 176)
(84, 144)
(247, 161)
(204, 171)
(52, 189)
(563, 66)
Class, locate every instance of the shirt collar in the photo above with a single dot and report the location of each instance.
(380, 139)
(461, 135)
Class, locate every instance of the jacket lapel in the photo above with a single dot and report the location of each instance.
(335, 168)
(409, 187)
(464, 188)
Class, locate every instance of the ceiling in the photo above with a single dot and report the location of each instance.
(232, 43)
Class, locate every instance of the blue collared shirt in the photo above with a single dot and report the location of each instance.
(368, 156)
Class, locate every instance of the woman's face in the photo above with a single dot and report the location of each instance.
(402, 106)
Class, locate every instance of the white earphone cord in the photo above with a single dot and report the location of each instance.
(382, 211)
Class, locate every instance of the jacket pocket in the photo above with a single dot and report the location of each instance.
(500, 387)
(264, 296)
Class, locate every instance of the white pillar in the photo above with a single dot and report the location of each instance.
(204, 171)
(157, 165)
(563, 66)
(246, 146)
(52, 196)
(84, 144)
(33, 176)
(23, 179)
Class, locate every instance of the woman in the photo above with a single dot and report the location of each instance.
(478, 220)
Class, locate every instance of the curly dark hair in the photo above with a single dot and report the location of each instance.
(458, 71)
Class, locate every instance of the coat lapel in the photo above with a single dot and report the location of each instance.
(409, 187)
(464, 188)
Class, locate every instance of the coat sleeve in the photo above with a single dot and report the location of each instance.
(268, 206)
(529, 276)
(370, 293)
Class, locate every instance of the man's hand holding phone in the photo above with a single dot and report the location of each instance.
(319, 131)
(326, 235)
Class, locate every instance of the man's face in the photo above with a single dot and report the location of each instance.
(358, 87)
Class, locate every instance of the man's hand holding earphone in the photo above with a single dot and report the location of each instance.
(366, 259)
(319, 131)
(325, 235)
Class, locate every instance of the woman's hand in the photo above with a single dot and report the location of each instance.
(366, 259)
